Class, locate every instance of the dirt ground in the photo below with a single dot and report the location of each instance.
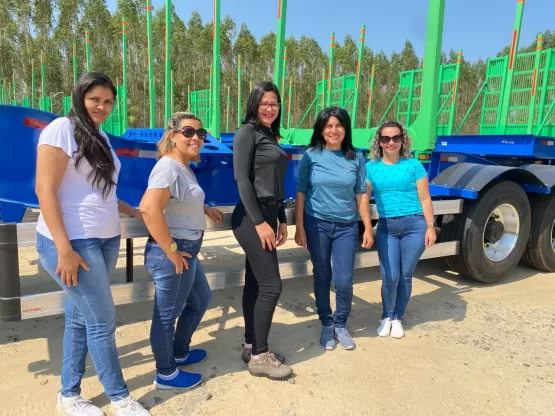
(470, 349)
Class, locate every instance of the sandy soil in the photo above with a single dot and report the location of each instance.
(470, 349)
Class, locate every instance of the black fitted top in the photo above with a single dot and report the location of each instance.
(259, 166)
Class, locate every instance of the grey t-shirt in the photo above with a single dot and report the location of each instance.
(185, 209)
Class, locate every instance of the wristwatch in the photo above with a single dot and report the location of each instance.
(432, 225)
(173, 247)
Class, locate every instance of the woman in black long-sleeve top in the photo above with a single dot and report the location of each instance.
(259, 165)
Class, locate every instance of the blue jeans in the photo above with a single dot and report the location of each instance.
(90, 315)
(400, 243)
(332, 247)
(183, 297)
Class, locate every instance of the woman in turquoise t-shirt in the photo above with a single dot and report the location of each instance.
(406, 225)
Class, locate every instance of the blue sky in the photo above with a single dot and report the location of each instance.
(480, 27)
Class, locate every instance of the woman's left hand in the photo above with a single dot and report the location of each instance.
(430, 237)
(281, 235)
(367, 238)
(215, 215)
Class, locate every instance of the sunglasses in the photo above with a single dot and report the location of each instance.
(190, 132)
(387, 139)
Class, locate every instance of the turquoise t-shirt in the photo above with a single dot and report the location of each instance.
(394, 186)
(331, 183)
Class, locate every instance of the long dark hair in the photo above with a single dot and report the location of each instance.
(254, 99)
(317, 141)
(91, 145)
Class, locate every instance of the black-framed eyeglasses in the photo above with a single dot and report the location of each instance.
(387, 139)
(190, 132)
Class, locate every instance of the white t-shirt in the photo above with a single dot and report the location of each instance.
(85, 212)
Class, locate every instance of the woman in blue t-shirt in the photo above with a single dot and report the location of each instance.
(406, 225)
(331, 192)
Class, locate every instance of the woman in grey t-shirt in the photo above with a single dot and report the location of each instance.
(173, 210)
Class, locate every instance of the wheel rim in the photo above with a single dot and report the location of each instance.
(553, 236)
(505, 221)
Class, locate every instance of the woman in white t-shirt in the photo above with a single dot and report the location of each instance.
(78, 241)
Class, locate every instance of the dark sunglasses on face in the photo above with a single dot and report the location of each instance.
(190, 132)
(387, 139)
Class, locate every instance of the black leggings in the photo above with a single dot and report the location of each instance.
(262, 280)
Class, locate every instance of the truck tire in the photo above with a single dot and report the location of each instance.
(540, 250)
(492, 230)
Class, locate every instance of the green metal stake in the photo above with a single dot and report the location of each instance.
(424, 129)
(455, 96)
(88, 49)
(215, 117)
(14, 89)
(280, 43)
(290, 97)
(330, 69)
(172, 82)
(357, 83)
(151, 85)
(227, 109)
(124, 109)
(324, 88)
(370, 92)
(167, 92)
(239, 92)
(508, 87)
(74, 63)
(283, 76)
(43, 82)
(532, 108)
(33, 86)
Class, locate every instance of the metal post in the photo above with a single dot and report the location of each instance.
(550, 55)
(124, 112)
(228, 103)
(425, 125)
(167, 101)
(172, 85)
(215, 116)
(370, 92)
(357, 83)
(283, 76)
(43, 82)
(532, 108)
(10, 293)
(88, 49)
(289, 96)
(74, 63)
(280, 42)
(128, 260)
(151, 85)
(330, 69)
(33, 86)
(508, 87)
(239, 92)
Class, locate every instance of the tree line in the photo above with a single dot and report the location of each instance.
(29, 26)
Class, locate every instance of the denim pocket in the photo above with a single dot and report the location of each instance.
(154, 257)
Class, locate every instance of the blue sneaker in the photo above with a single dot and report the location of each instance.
(345, 340)
(194, 357)
(182, 381)
(326, 338)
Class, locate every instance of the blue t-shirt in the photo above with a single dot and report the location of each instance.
(394, 186)
(331, 184)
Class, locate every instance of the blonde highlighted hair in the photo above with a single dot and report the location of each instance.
(165, 146)
(376, 151)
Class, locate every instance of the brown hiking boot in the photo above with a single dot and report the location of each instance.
(267, 365)
(248, 351)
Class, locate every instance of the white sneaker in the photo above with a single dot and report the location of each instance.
(128, 407)
(385, 327)
(77, 406)
(397, 330)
